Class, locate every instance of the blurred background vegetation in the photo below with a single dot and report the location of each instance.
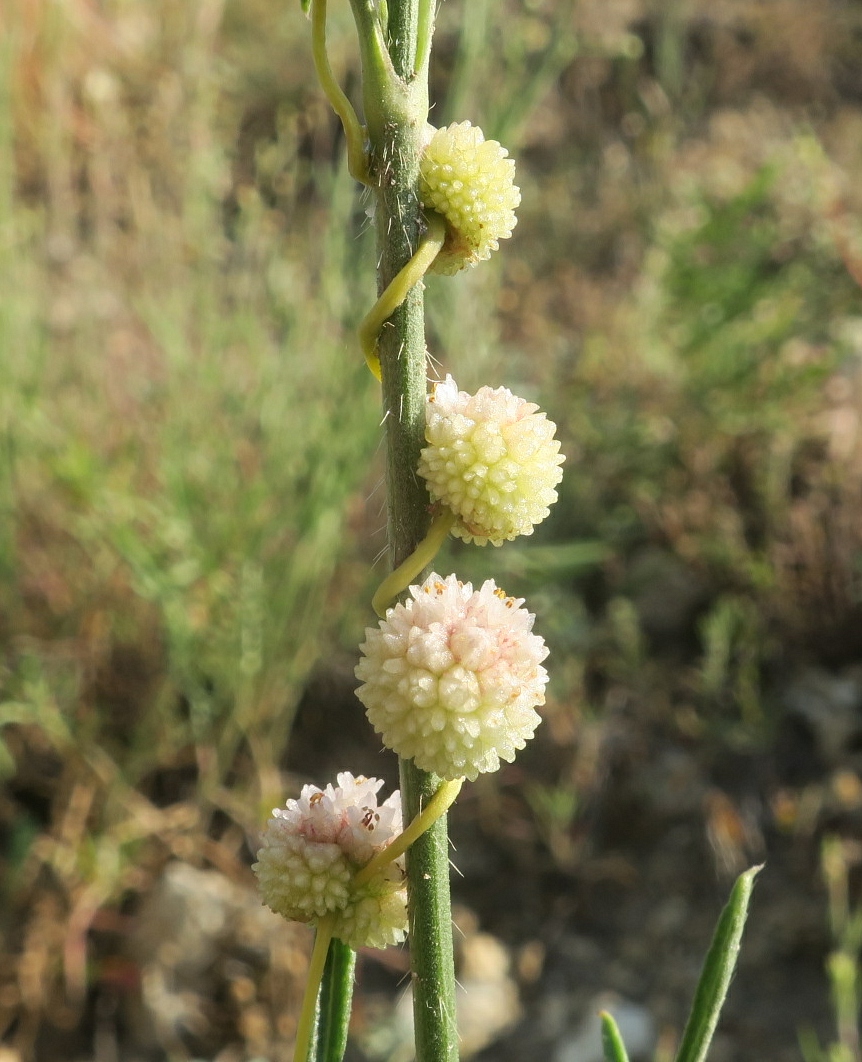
(191, 508)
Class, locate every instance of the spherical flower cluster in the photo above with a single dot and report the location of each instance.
(452, 677)
(312, 850)
(470, 181)
(492, 459)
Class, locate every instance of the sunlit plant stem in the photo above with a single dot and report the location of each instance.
(396, 113)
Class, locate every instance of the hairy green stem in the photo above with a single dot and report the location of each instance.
(394, 42)
(432, 963)
(396, 113)
(402, 33)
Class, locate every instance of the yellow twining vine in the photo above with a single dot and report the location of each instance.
(399, 289)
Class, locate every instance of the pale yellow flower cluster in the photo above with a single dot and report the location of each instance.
(492, 458)
(452, 677)
(471, 182)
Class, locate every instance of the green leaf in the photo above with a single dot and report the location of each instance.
(336, 994)
(717, 971)
(612, 1042)
(306, 6)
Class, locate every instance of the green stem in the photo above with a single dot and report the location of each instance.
(370, 19)
(336, 993)
(430, 925)
(384, 92)
(402, 32)
(424, 32)
(305, 1027)
(396, 113)
(419, 559)
(395, 101)
(397, 291)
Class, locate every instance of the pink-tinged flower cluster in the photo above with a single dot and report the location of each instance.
(313, 848)
(471, 182)
(451, 678)
(492, 459)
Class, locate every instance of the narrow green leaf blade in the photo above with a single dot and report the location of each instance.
(336, 995)
(612, 1042)
(717, 971)
(306, 6)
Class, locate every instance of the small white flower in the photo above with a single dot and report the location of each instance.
(312, 849)
(471, 182)
(452, 677)
(492, 459)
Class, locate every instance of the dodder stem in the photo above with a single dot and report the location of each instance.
(419, 559)
(305, 1028)
(356, 162)
(397, 291)
(439, 805)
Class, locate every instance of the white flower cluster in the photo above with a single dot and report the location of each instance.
(313, 848)
(492, 459)
(452, 677)
(471, 182)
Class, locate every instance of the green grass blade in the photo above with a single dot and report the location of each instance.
(717, 972)
(612, 1042)
(336, 994)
